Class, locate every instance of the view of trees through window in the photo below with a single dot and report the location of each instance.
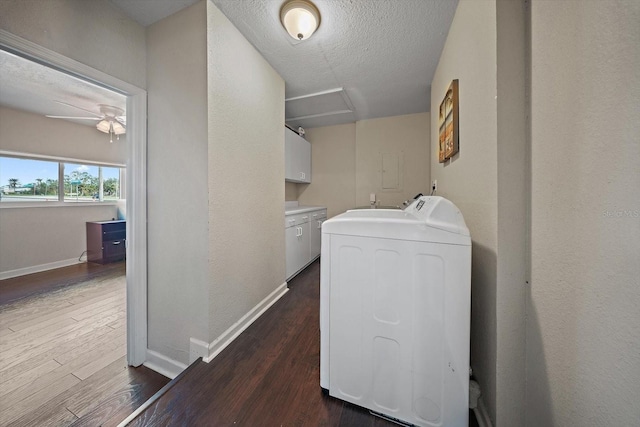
(82, 182)
(25, 180)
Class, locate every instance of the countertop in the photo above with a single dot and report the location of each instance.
(293, 210)
(378, 207)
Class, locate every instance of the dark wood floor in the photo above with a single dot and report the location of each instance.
(269, 376)
(62, 349)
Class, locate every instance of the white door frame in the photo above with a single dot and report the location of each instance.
(136, 182)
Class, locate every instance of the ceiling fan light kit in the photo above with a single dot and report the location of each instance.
(112, 127)
(300, 18)
(110, 124)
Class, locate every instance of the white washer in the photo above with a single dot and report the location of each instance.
(395, 295)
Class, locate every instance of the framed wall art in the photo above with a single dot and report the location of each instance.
(448, 144)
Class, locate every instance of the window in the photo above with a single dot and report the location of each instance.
(86, 183)
(27, 180)
(35, 180)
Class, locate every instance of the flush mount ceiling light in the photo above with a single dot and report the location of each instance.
(300, 18)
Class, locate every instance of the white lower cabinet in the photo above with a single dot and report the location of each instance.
(297, 242)
(315, 232)
(303, 234)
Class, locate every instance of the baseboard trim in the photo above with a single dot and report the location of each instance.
(198, 348)
(482, 416)
(163, 365)
(209, 351)
(38, 268)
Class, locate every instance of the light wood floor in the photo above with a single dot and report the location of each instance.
(63, 351)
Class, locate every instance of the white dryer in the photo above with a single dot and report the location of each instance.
(395, 311)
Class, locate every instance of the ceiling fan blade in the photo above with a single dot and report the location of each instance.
(121, 120)
(75, 118)
(80, 108)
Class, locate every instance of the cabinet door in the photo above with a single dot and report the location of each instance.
(290, 159)
(297, 248)
(315, 236)
(291, 248)
(297, 158)
(304, 157)
(304, 242)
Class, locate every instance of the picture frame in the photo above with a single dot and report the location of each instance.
(448, 138)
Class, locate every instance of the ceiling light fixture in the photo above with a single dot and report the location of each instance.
(110, 124)
(112, 127)
(300, 18)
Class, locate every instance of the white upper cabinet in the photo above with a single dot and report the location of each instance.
(297, 158)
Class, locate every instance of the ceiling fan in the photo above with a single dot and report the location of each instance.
(110, 120)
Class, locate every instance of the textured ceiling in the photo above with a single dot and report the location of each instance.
(29, 86)
(368, 59)
(383, 53)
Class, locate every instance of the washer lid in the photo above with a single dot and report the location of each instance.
(427, 219)
(440, 213)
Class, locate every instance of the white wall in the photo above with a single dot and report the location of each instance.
(93, 32)
(470, 179)
(216, 246)
(37, 238)
(246, 172)
(290, 191)
(406, 137)
(346, 162)
(25, 132)
(177, 182)
(583, 340)
(579, 360)
(333, 169)
(513, 206)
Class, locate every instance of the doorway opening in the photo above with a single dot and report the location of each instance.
(135, 186)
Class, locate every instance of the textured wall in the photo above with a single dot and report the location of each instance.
(583, 340)
(513, 197)
(246, 173)
(405, 136)
(290, 191)
(93, 32)
(470, 179)
(178, 250)
(333, 173)
(346, 161)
